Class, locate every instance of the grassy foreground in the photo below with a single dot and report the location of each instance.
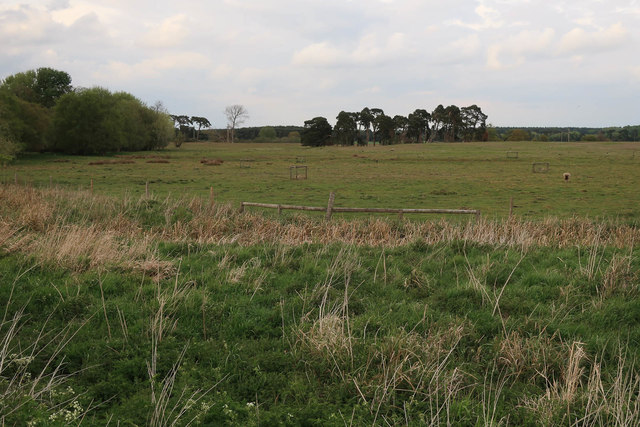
(486, 176)
(154, 311)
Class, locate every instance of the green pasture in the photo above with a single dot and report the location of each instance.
(603, 183)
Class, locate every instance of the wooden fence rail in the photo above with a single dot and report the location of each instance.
(330, 209)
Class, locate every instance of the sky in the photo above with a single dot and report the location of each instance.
(523, 62)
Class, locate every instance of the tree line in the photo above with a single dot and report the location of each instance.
(557, 134)
(41, 111)
(447, 124)
(258, 134)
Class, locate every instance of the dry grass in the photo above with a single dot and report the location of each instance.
(527, 356)
(560, 392)
(107, 230)
(619, 277)
(408, 362)
(606, 401)
(39, 226)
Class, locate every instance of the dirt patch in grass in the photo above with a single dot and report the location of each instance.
(149, 156)
(212, 162)
(111, 162)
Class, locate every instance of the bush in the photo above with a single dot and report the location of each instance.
(95, 121)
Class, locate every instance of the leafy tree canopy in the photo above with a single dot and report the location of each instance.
(95, 121)
(267, 133)
(43, 86)
(317, 132)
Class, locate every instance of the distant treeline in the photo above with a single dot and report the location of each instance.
(372, 125)
(626, 133)
(258, 134)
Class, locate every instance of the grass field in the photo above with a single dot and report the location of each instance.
(603, 184)
(120, 308)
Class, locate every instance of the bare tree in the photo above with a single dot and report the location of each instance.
(236, 115)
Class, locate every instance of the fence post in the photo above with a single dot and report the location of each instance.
(332, 197)
(241, 207)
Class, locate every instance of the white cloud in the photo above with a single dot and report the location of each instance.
(319, 54)
(152, 67)
(460, 50)
(24, 24)
(169, 33)
(77, 9)
(371, 90)
(490, 19)
(221, 71)
(371, 49)
(579, 40)
(514, 50)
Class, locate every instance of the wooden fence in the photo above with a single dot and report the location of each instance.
(330, 209)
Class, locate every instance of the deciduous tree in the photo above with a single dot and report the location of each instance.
(43, 86)
(438, 118)
(366, 118)
(317, 132)
(474, 122)
(346, 130)
(95, 121)
(236, 115)
(386, 128)
(418, 125)
(452, 123)
(401, 123)
(375, 113)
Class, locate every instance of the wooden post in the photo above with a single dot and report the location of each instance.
(279, 210)
(146, 189)
(241, 207)
(477, 216)
(332, 197)
(511, 207)
(211, 196)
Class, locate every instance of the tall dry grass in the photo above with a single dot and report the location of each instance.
(612, 399)
(29, 214)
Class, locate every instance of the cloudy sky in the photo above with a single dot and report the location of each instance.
(524, 62)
